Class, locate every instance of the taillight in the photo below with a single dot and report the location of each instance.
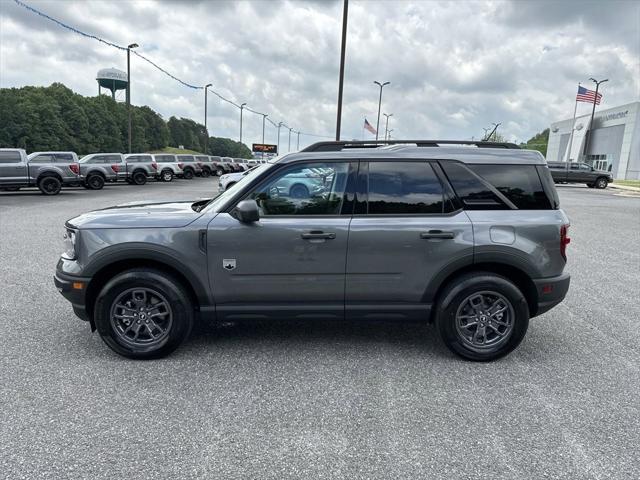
(154, 165)
(180, 165)
(564, 240)
(115, 168)
(75, 168)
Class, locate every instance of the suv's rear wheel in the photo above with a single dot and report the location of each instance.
(50, 185)
(482, 316)
(206, 172)
(139, 178)
(188, 174)
(95, 182)
(601, 183)
(143, 313)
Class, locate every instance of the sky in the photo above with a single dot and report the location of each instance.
(454, 67)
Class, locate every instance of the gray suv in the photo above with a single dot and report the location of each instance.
(470, 238)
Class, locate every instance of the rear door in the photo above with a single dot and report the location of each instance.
(12, 168)
(406, 231)
(292, 261)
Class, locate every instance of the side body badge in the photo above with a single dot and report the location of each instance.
(229, 263)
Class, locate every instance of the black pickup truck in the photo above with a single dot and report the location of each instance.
(565, 172)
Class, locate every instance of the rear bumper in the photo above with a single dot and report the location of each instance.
(551, 291)
(73, 289)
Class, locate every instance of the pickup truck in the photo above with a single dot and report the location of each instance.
(139, 167)
(564, 172)
(48, 171)
(190, 167)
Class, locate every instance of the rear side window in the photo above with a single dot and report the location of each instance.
(404, 188)
(202, 158)
(139, 159)
(64, 158)
(165, 158)
(186, 158)
(475, 195)
(519, 183)
(43, 158)
(10, 157)
(106, 159)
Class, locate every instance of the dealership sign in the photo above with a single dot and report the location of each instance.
(264, 148)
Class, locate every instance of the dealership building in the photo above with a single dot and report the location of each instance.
(614, 146)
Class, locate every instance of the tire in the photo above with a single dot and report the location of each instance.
(206, 173)
(95, 182)
(188, 174)
(167, 175)
(299, 191)
(139, 178)
(219, 172)
(50, 185)
(601, 183)
(173, 314)
(456, 311)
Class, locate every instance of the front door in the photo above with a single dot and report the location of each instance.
(291, 262)
(12, 170)
(405, 233)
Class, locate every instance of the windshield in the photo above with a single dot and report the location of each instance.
(216, 204)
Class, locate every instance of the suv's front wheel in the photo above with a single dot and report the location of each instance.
(482, 316)
(143, 314)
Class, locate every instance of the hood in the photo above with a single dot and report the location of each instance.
(138, 215)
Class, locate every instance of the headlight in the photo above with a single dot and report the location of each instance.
(69, 240)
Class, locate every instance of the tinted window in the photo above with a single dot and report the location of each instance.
(139, 159)
(308, 189)
(186, 158)
(64, 157)
(404, 187)
(475, 195)
(106, 159)
(202, 158)
(519, 183)
(165, 158)
(43, 158)
(10, 157)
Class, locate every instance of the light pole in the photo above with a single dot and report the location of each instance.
(241, 108)
(343, 49)
(205, 107)
(264, 119)
(386, 127)
(279, 125)
(389, 134)
(298, 145)
(587, 146)
(129, 47)
(289, 139)
(379, 104)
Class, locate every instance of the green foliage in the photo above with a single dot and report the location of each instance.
(55, 118)
(538, 142)
(189, 134)
(225, 147)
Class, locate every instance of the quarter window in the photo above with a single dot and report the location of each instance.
(475, 195)
(307, 189)
(404, 188)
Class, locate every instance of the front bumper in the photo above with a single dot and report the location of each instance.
(73, 289)
(551, 291)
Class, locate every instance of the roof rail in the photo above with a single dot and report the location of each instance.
(336, 146)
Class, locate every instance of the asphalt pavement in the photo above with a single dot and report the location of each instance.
(319, 399)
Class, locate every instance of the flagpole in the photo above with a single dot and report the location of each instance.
(573, 127)
(363, 120)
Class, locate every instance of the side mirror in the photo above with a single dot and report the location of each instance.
(247, 211)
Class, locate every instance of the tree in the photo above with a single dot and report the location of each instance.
(538, 142)
(225, 147)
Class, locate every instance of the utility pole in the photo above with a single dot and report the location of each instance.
(205, 107)
(289, 139)
(587, 145)
(389, 134)
(386, 127)
(241, 108)
(379, 105)
(298, 145)
(264, 118)
(279, 125)
(343, 49)
(129, 47)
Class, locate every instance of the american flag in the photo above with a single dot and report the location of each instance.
(368, 126)
(585, 95)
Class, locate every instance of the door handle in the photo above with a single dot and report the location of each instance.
(436, 234)
(316, 235)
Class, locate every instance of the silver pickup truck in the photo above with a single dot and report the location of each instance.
(48, 171)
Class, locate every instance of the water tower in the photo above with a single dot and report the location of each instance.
(112, 79)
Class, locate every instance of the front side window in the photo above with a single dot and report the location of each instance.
(305, 189)
(404, 188)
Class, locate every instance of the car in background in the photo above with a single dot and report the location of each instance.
(139, 167)
(204, 162)
(566, 172)
(190, 167)
(230, 179)
(48, 171)
(218, 165)
(168, 166)
(96, 169)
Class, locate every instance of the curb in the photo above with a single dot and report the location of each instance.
(624, 187)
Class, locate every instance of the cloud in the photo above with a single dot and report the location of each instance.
(454, 67)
